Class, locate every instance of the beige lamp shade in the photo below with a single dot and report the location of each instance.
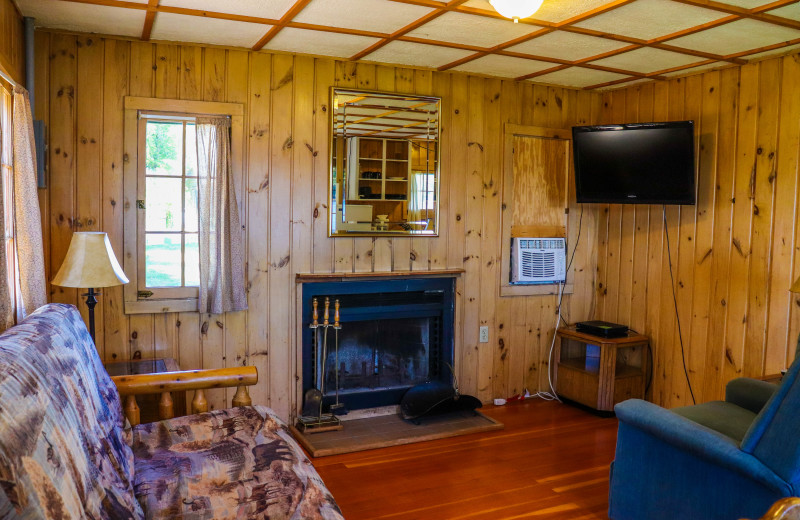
(90, 262)
(795, 286)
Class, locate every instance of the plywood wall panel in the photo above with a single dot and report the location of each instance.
(282, 181)
(734, 253)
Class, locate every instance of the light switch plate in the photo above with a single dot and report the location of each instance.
(484, 334)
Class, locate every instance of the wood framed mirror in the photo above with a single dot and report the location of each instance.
(384, 164)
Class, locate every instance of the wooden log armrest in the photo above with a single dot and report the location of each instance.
(129, 386)
(784, 509)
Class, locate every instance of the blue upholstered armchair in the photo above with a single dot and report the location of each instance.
(719, 460)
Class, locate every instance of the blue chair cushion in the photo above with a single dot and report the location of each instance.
(726, 418)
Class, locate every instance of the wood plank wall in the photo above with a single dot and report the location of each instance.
(734, 253)
(81, 81)
(12, 41)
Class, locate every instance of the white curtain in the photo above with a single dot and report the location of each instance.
(27, 219)
(222, 286)
(6, 280)
(416, 197)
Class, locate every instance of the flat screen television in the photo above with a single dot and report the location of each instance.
(642, 163)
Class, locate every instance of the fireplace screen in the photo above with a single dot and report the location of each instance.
(382, 354)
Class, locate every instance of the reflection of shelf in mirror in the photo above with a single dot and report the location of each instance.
(396, 179)
(384, 200)
(371, 180)
(396, 160)
(370, 159)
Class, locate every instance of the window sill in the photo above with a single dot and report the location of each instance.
(158, 306)
(533, 290)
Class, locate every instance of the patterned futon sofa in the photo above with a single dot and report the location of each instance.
(64, 452)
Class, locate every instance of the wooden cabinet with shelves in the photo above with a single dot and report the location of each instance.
(600, 372)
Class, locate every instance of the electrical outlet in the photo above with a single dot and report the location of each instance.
(484, 334)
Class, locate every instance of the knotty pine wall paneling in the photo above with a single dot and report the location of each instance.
(12, 41)
(282, 188)
(734, 253)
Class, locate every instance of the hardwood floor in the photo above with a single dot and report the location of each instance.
(550, 462)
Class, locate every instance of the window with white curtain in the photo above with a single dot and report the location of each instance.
(161, 241)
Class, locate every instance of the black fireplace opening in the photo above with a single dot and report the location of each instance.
(394, 334)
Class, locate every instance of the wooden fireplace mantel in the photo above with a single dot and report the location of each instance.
(342, 277)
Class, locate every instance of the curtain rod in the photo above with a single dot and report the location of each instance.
(8, 78)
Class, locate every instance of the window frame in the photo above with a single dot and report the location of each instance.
(166, 300)
(146, 116)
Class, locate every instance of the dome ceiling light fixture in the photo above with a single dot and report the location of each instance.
(516, 9)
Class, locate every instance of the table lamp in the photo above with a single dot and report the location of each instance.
(90, 262)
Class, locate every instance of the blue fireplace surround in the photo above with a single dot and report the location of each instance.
(378, 307)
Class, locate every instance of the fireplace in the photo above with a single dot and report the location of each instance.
(394, 334)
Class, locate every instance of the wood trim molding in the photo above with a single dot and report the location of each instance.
(183, 106)
(285, 19)
(149, 19)
(342, 277)
(408, 28)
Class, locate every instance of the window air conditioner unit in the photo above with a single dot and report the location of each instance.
(538, 260)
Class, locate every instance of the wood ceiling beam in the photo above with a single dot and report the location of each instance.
(149, 18)
(285, 19)
(436, 13)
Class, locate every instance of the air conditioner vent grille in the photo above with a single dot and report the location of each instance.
(538, 260)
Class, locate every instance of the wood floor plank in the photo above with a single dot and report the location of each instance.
(551, 461)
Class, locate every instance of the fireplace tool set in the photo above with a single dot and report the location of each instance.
(312, 419)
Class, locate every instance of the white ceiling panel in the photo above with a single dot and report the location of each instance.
(366, 15)
(646, 60)
(318, 42)
(472, 30)
(178, 27)
(504, 66)
(273, 9)
(417, 54)
(578, 77)
(567, 46)
(695, 70)
(788, 11)
(647, 19)
(737, 36)
(747, 4)
(71, 16)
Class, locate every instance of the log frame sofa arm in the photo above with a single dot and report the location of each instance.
(129, 386)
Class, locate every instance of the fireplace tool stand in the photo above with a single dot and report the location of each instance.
(337, 408)
(312, 419)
